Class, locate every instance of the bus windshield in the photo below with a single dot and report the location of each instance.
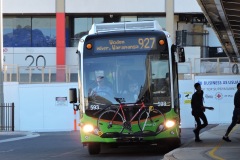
(132, 77)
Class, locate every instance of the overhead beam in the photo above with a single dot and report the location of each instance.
(221, 12)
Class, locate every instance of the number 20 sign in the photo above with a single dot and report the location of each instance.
(36, 57)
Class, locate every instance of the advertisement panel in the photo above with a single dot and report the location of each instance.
(219, 93)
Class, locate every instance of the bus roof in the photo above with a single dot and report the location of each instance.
(125, 26)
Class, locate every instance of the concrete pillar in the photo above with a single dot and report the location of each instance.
(170, 18)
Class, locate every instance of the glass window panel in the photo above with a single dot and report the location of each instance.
(44, 32)
(67, 24)
(22, 32)
(82, 26)
(80, 29)
(8, 32)
(97, 20)
(53, 32)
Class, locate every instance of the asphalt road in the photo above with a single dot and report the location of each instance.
(67, 146)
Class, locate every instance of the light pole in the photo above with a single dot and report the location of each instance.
(1, 63)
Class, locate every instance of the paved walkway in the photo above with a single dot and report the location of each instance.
(16, 135)
(212, 147)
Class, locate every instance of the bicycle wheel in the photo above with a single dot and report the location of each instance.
(106, 123)
(151, 121)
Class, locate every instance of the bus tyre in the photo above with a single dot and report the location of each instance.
(172, 144)
(94, 148)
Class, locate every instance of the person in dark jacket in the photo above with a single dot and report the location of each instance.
(198, 111)
(236, 114)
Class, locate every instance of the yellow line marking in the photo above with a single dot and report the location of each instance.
(212, 152)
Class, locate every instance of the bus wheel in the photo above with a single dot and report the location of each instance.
(171, 145)
(163, 148)
(94, 148)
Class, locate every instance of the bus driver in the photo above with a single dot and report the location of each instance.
(102, 89)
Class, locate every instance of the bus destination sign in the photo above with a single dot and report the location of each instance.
(125, 44)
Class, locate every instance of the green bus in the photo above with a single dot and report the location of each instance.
(128, 86)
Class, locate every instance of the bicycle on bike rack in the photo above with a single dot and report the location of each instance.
(114, 123)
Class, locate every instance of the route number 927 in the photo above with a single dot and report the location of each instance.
(147, 43)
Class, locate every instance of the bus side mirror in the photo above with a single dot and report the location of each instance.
(73, 98)
(181, 54)
(72, 95)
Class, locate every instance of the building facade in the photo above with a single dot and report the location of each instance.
(46, 33)
(40, 40)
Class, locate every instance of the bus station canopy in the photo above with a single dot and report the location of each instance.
(224, 18)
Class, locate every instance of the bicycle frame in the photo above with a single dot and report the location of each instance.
(129, 105)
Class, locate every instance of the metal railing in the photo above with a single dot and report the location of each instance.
(215, 66)
(48, 74)
(7, 117)
(209, 66)
(67, 73)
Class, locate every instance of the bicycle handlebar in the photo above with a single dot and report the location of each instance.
(120, 101)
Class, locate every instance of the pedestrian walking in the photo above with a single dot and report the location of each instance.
(236, 114)
(198, 111)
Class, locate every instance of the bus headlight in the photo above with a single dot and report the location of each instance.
(169, 123)
(88, 128)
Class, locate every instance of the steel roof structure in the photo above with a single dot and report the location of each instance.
(224, 18)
